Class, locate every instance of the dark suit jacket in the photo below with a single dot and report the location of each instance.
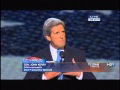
(78, 55)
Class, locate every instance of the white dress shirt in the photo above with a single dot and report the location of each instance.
(54, 57)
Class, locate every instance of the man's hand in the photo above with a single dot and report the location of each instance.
(50, 75)
(77, 74)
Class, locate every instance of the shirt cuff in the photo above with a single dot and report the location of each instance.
(44, 77)
(80, 77)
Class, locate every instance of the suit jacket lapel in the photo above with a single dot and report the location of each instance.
(68, 55)
(47, 54)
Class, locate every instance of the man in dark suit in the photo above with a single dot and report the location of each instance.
(54, 32)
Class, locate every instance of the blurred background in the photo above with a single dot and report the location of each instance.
(21, 36)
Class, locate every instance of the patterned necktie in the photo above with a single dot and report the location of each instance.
(60, 77)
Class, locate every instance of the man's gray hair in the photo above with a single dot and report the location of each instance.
(49, 23)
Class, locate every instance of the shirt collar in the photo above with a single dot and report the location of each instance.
(54, 49)
(53, 52)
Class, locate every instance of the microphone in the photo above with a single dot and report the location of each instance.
(62, 55)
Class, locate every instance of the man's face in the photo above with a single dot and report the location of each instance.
(57, 37)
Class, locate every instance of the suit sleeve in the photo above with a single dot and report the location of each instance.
(86, 75)
(33, 75)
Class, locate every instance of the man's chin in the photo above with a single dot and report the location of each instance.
(61, 47)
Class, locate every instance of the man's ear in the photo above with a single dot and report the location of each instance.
(48, 38)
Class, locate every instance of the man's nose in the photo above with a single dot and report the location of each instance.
(61, 35)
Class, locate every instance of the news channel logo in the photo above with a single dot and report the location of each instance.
(110, 64)
(94, 18)
(34, 60)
